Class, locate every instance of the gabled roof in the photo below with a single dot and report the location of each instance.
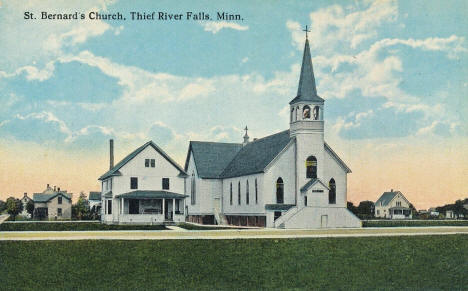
(311, 183)
(256, 155)
(94, 196)
(41, 197)
(142, 194)
(307, 91)
(115, 170)
(337, 158)
(387, 197)
(211, 158)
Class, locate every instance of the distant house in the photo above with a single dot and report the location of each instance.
(52, 203)
(94, 200)
(450, 214)
(393, 205)
(433, 212)
(25, 201)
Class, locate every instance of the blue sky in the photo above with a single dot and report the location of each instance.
(391, 72)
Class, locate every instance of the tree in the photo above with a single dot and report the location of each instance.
(366, 209)
(14, 206)
(352, 208)
(30, 207)
(2, 206)
(80, 210)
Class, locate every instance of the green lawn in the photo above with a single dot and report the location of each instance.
(74, 226)
(396, 223)
(419, 262)
(198, 227)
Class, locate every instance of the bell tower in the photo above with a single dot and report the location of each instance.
(306, 124)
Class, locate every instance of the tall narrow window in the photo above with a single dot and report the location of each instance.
(306, 112)
(147, 163)
(279, 191)
(165, 183)
(316, 113)
(311, 167)
(256, 191)
(59, 200)
(59, 211)
(153, 163)
(109, 206)
(133, 183)
(247, 198)
(238, 194)
(192, 189)
(332, 192)
(292, 114)
(230, 197)
(305, 200)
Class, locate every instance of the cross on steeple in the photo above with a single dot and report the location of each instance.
(306, 31)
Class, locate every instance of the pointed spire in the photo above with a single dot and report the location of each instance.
(246, 136)
(307, 90)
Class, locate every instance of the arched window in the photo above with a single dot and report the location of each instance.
(306, 112)
(297, 112)
(279, 191)
(230, 197)
(316, 113)
(292, 114)
(311, 166)
(238, 194)
(332, 192)
(256, 191)
(192, 190)
(247, 198)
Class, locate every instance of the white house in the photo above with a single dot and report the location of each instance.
(94, 200)
(393, 205)
(147, 186)
(291, 179)
(24, 202)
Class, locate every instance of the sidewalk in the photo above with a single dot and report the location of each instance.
(231, 234)
(4, 217)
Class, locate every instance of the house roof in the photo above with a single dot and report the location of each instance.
(142, 194)
(387, 197)
(278, 206)
(256, 155)
(307, 91)
(311, 183)
(94, 196)
(211, 158)
(41, 197)
(115, 170)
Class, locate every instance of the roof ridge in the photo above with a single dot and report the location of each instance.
(215, 142)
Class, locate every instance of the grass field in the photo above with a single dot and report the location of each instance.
(73, 226)
(422, 262)
(189, 226)
(396, 223)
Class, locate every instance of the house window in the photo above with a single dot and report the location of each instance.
(153, 163)
(378, 212)
(238, 194)
(311, 167)
(306, 112)
(147, 163)
(247, 198)
(192, 189)
(279, 191)
(133, 183)
(150, 163)
(256, 192)
(230, 197)
(59, 200)
(109, 206)
(165, 183)
(59, 211)
(305, 200)
(332, 192)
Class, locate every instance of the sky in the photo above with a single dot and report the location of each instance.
(393, 74)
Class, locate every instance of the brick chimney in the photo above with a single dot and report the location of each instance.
(25, 194)
(111, 154)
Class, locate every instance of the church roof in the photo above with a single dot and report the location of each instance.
(211, 158)
(307, 91)
(311, 183)
(256, 155)
(115, 170)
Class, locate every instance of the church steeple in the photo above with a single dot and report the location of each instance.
(307, 91)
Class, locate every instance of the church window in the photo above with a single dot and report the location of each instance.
(332, 192)
(306, 112)
(247, 198)
(238, 194)
(297, 112)
(292, 114)
(192, 190)
(316, 112)
(279, 191)
(230, 197)
(311, 167)
(256, 192)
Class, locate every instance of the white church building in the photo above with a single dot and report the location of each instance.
(291, 179)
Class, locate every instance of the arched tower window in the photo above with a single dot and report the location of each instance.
(292, 114)
(332, 192)
(192, 190)
(306, 112)
(279, 191)
(247, 194)
(316, 113)
(297, 113)
(311, 167)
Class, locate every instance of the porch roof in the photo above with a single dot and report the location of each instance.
(278, 206)
(142, 194)
(399, 208)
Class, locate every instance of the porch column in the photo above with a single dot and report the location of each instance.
(173, 208)
(121, 206)
(164, 207)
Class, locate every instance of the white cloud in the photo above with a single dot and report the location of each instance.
(215, 26)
